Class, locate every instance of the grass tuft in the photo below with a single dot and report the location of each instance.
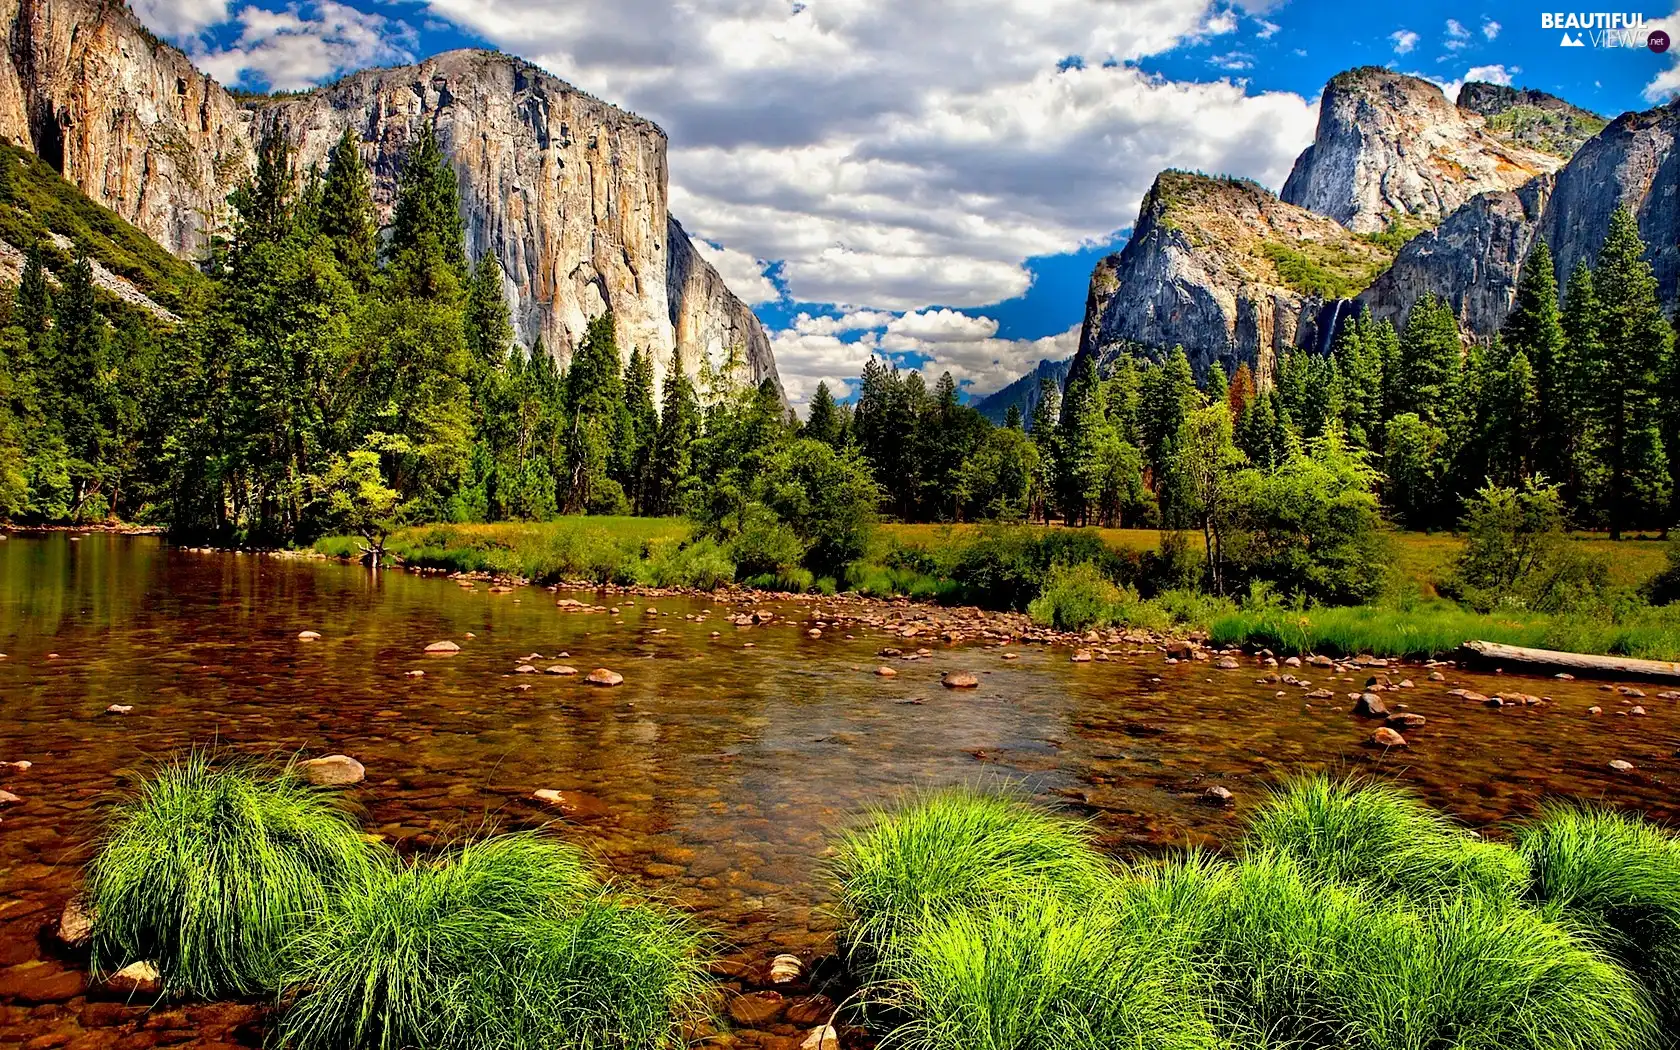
(210, 870)
(950, 850)
(507, 942)
(1379, 837)
(1620, 878)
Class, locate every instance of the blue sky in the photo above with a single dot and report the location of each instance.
(925, 180)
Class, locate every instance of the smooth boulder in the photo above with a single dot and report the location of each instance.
(333, 771)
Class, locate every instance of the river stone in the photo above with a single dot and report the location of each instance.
(1292, 661)
(786, 969)
(443, 648)
(333, 771)
(1227, 663)
(1595, 710)
(813, 1009)
(308, 636)
(562, 669)
(886, 672)
(602, 676)
(137, 978)
(959, 680)
(815, 632)
(1218, 796)
(1621, 765)
(1636, 710)
(1406, 720)
(119, 709)
(824, 1038)
(75, 924)
(756, 1009)
(1370, 705)
(1081, 656)
(1386, 737)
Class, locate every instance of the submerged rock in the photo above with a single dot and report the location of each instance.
(443, 648)
(1621, 765)
(1386, 737)
(786, 969)
(308, 636)
(333, 771)
(603, 676)
(562, 669)
(1370, 705)
(1081, 656)
(886, 672)
(824, 1038)
(1218, 796)
(137, 978)
(756, 1009)
(959, 680)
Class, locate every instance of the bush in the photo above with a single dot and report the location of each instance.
(947, 851)
(1620, 877)
(702, 564)
(1036, 972)
(507, 943)
(1377, 836)
(765, 546)
(1517, 553)
(210, 871)
(1076, 597)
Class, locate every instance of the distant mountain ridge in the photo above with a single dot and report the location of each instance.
(1023, 392)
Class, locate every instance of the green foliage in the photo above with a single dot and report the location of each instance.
(1325, 271)
(1619, 877)
(1380, 838)
(1517, 552)
(212, 870)
(506, 942)
(1075, 597)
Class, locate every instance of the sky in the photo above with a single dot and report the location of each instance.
(927, 180)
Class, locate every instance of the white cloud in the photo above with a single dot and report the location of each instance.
(1491, 74)
(1404, 41)
(1490, 28)
(1457, 36)
(851, 321)
(940, 326)
(304, 44)
(1267, 29)
(1666, 84)
(741, 272)
(892, 155)
(180, 18)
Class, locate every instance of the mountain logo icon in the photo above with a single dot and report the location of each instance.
(1570, 41)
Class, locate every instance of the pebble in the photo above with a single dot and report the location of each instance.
(137, 978)
(1386, 737)
(524, 669)
(1406, 720)
(1621, 765)
(1595, 710)
(308, 636)
(333, 771)
(959, 680)
(885, 672)
(1081, 656)
(443, 648)
(603, 676)
(1011, 656)
(1219, 796)
(415, 674)
(1227, 663)
(1636, 710)
(824, 1038)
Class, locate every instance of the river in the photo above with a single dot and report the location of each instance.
(713, 776)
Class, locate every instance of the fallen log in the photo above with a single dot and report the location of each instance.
(1571, 663)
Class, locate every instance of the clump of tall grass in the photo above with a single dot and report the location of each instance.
(1619, 877)
(507, 942)
(211, 870)
(1378, 836)
(951, 850)
(1038, 972)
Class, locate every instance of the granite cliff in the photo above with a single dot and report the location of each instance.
(1228, 271)
(566, 191)
(1529, 118)
(1391, 144)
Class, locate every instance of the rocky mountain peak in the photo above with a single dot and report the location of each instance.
(568, 192)
(1529, 118)
(1388, 144)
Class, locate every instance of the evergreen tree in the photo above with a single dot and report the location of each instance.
(1217, 386)
(1081, 435)
(1012, 418)
(426, 247)
(488, 329)
(595, 416)
(1633, 341)
(346, 216)
(1120, 399)
(824, 422)
(679, 426)
(1534, 330)
(1584, 357)
(643, 431)
(76, 381)
(1431, 360)
(1167, 397)
(1241, 391)
(1360, 350)
(32, 308)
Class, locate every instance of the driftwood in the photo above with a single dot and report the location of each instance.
(1571, 663)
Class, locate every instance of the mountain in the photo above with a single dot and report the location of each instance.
(1225, 269)
(1391, 144)
(1474, 258)
(1529, 118)
(568, 192)
(1023, 393)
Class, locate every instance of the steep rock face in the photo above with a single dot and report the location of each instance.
(1226, 270)
(1529, 118)
(706, 317)
(1475, 257)
(126, 118)
(1390, 143)
(1023, 393)
(568, 192)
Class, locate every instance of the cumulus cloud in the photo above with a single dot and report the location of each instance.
(1266, 29)
(903, 154)
(1490, 29)
(939, 326)
(1457, 36)
(1404, 41)
(302, 45)
(1491, 74)
(181, 18)
(1666, 84)
(744, 275)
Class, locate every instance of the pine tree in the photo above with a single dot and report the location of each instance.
(1583, 357)
(1012, 418)
(32, 308)
(346, 215)
(595, 418)
(1079, 441)
(1431, 362)
(1167, 397)
(1216, 386)
(1359, 353)
(426, 246)
(679, 426)
(1534, 330)
(1633, 339)
(823, 420)
(1120, 399)
(643, 432)
(76, 383)
(487, 326)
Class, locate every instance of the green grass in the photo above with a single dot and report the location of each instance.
(508, 942)
(1438, 627)
(1621, 878)
(1380, 838)
(1328, 271)
(948, 851)
(211, 871)
(1354, 919)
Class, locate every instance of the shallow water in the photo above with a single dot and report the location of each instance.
(713, 775)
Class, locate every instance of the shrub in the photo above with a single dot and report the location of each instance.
(210, 871)
(1378, 837)
(702, 564)
(764, 546)
(947, 851)
(1076, 597)
(1517, 553)
(1620, 877)
(508, 942)
(1036, 972)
